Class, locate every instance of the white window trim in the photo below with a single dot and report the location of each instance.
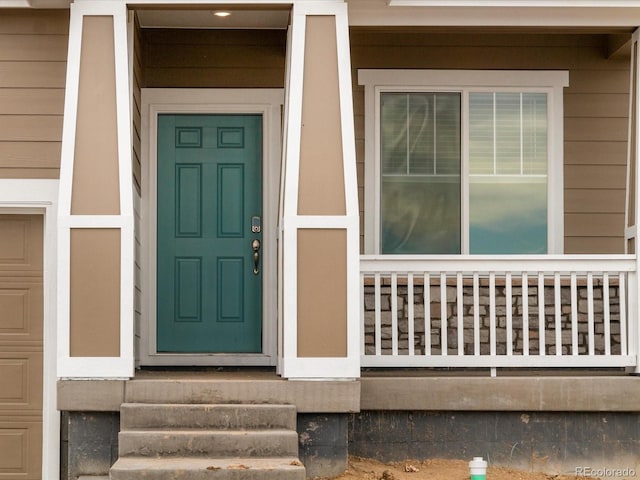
(464, 81)
(266, 102)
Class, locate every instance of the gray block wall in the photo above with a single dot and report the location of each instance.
(556, 442)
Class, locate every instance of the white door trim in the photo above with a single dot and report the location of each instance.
(268, 103)
(40, 196)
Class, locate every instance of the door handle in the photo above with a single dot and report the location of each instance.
(255, 245)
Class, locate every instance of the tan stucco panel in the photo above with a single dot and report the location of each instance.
(95, 292)
(322, 293)
(95, 188)
(321, 184)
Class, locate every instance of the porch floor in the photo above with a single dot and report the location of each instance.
(391, 389)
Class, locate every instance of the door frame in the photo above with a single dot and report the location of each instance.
(265, 102)
(40, 197)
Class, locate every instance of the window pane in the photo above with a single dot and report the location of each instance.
(421, 132)
(481, 133)
(393, 132)
(420, 181)
(420, 214)
(508, 173)
(534, 133)
(507, 132)
(508, 215)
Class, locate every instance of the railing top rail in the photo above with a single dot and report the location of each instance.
(497, 263)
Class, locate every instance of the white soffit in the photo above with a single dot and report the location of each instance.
(239, 19)
(499, 13)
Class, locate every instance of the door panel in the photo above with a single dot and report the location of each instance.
(209, 187)
(21, 348)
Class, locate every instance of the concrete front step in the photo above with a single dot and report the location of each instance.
(219, 443)
(169, 468)
(211, 416)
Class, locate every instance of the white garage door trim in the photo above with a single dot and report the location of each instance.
(40, 196)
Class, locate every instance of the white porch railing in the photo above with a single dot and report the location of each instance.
(504, 311)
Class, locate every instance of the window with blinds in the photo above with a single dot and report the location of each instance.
(425, 165)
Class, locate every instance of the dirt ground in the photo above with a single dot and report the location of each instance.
(436, 469)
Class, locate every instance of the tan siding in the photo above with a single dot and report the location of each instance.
(34, 101)
(137, 179)
(595, 153)
(214, 58)
(32, 74)
(596, 110)
(137, 122)
(30, 155)
(595, 176)
(40, 22)
(594, 244)
(596, 201)
(596, 105)
(33, 52)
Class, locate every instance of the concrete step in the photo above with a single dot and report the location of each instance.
(218, 443)
(168, 468)
(211, 416)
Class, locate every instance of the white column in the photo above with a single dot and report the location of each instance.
(87, 366)
(294, 360)
(632, 206)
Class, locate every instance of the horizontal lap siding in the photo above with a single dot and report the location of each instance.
(214, 58)
(596, 110)
(137, 175)
(33, 53)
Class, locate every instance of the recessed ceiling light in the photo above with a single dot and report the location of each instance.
(222, 14)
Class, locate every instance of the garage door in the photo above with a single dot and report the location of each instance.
(21, 325)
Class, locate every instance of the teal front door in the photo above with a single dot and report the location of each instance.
(209, 211)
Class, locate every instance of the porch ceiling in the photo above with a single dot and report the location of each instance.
(239, 18)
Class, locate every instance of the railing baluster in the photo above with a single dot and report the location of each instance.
(525, 313)
(558, 312)
(378, 314)
(542, 336)
(410, 334)
(394, 314)
(427, 314)
(622, 295)
(476, 313)
(443, 313)
(509, 307)
(607, 313)
(574, 314)
(460, 309)
(590, 318)
(492, 312)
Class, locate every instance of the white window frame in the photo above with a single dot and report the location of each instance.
(550, 82)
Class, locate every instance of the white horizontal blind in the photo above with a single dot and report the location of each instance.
(507, 133)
